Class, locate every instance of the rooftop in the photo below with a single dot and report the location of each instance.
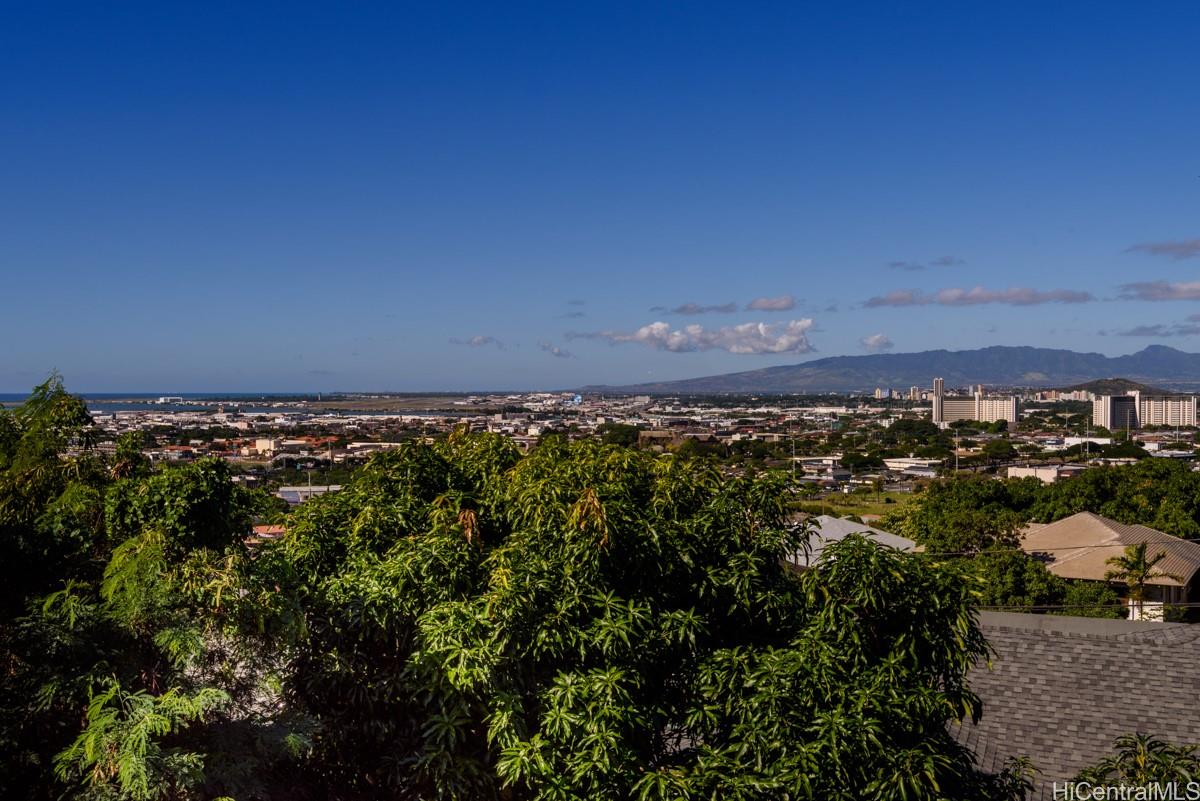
(1060, 690)
(827, 529)
(1079, 547)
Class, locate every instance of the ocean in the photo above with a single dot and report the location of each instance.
(244, 402)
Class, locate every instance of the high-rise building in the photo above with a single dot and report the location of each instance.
(914, 393)
(1129, 411)
(976, 406)
(878, 393)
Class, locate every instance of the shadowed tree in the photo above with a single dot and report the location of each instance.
(1142, 760)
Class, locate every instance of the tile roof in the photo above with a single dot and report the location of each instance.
(1079, 547)
(1060, 690)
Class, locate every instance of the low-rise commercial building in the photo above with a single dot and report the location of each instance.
(1046, 473)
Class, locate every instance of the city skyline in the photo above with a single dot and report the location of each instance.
(532, 197)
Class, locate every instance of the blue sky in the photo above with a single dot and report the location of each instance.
(209, 196)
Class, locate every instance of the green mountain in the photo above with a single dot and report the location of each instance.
(992, 366)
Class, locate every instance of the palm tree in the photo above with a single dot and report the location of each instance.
(1135, 570)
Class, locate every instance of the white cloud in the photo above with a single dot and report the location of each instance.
(876, 343)
(478, 342)
(554, 350)
(781, 303)
(789, 337)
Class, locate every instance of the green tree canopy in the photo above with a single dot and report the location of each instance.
(618, 434)
(999, 450)
(461, 622)
(591, 622)
(966, 514)
(1160, 493)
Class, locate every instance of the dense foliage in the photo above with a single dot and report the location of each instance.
(585, 622)
(972, 522)
(1160, 493)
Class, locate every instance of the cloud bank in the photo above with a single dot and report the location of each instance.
(781, 303)
(746, 338)
(1161, 290)
(696, 308)
(478, 342)
(1190, 328)
(977, 296)
(1180, 249)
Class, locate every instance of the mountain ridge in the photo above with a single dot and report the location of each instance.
(995, 365)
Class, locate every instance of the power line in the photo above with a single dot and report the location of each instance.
(1094, 605)
(986, 551)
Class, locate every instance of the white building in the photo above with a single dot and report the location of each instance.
(1131, 410)
(1046, 473)
(977, 406)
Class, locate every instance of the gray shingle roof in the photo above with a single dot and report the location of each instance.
(827, 529)
(1061, 689)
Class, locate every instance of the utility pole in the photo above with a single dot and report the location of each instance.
(793, 452)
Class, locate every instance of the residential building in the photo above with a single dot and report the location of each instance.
(1132, 410)
(1167, 411)
(1079, 547)
(822, 468)
(827, 529)
(298, 495)
(977, 406)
